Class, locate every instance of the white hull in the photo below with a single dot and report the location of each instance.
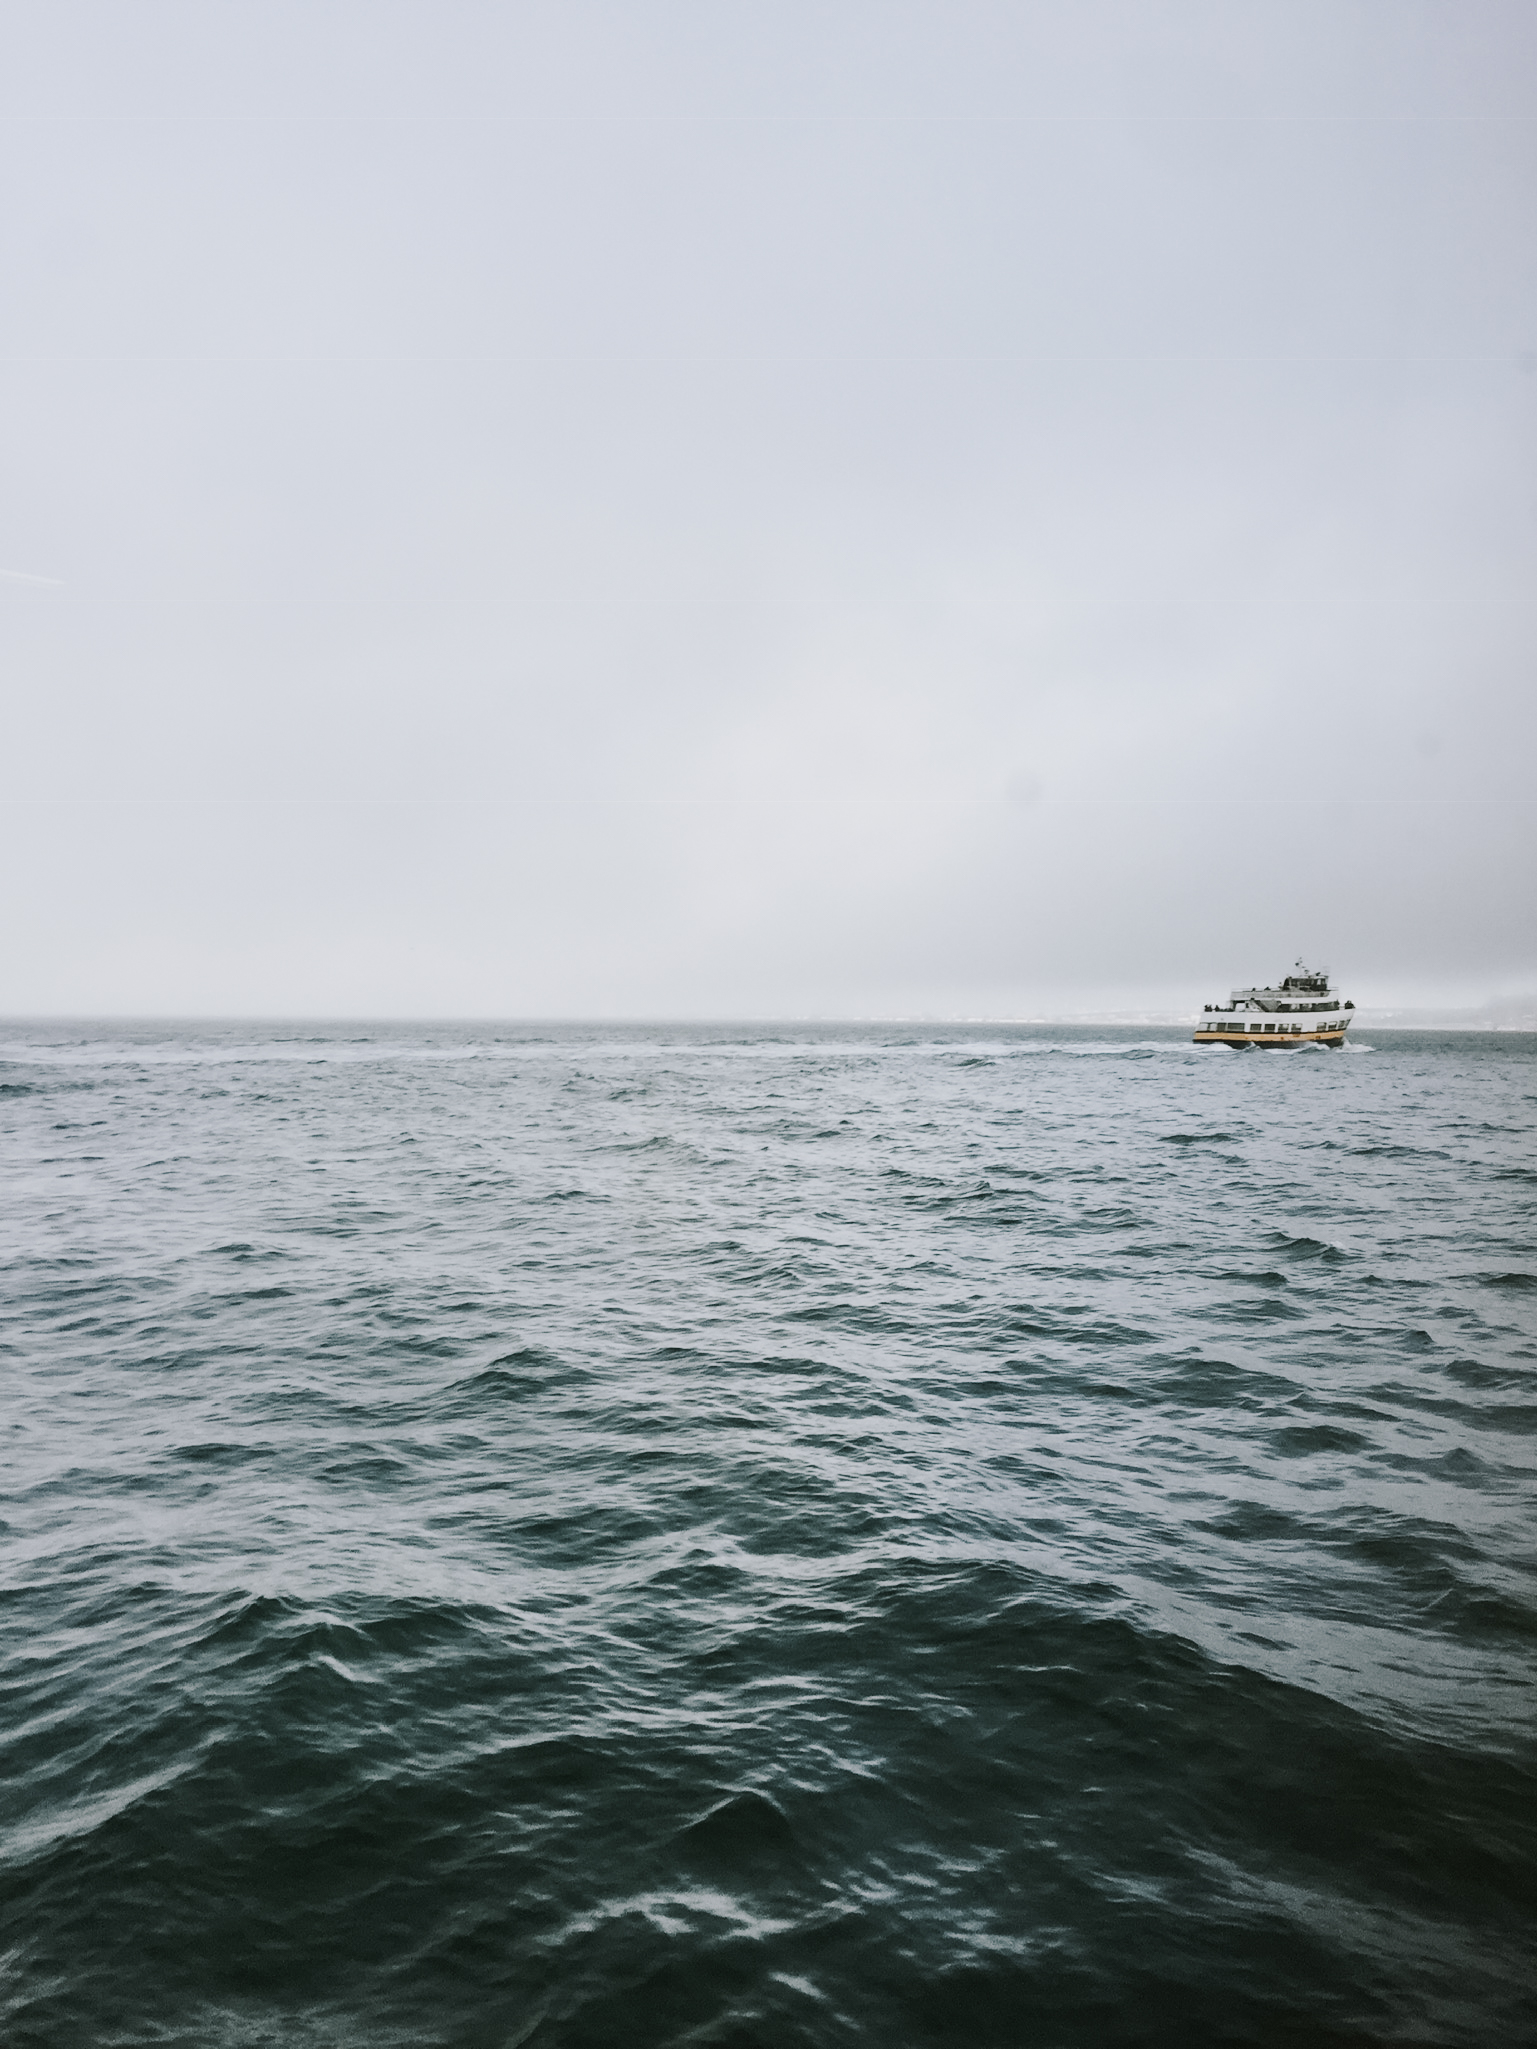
(1268, 1033)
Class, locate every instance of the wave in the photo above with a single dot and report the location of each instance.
(769, 1538)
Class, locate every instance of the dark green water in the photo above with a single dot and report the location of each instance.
(579, 1536)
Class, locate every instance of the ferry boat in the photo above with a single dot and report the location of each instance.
(1302, 1012)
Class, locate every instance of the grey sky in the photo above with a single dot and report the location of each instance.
(765, 509)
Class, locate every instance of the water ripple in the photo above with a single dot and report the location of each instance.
(723, 1537)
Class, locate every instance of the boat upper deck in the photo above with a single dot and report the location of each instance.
(1280, 999)
(1304, 992)
(1304, 989)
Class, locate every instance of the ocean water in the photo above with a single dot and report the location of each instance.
(801, 1535)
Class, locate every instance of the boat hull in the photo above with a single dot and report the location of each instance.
(1244, 1040)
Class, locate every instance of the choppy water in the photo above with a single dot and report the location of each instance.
(825, 1536)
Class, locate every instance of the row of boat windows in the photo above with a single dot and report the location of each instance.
(1333, 1004)
(1262, 1028)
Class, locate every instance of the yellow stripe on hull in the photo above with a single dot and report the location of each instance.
(1336, 1038)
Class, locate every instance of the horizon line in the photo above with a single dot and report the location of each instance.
(1162, 1020)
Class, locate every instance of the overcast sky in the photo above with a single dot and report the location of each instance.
(774, 509)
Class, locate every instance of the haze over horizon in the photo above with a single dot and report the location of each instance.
(703, 512)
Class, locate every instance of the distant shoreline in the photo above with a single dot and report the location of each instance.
(1376, 1021)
